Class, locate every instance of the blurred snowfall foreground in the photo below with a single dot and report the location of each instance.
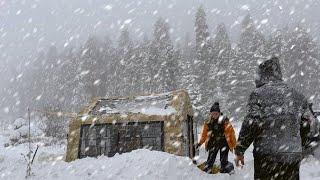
(139, 164)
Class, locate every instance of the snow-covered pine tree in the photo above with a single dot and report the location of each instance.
(222, 56)
(275, 43)
(162, 64)
(49, 76)
(143, 77)
(186, 63)
(90, 56)
(202, 61)
(220, 74)
(177, 67)
(123, 70)
(108, 56)
(250, 51)
(68, 80)
(302, 55)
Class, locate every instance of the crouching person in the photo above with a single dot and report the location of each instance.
(218, 135)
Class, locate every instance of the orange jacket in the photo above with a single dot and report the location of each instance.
(228, 133)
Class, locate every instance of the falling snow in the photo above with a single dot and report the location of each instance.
(55, 56)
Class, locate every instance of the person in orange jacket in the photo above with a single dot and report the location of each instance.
(218, 135)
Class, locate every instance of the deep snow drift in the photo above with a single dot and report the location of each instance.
(139, 164)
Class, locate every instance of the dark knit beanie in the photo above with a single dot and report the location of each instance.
(215, 107)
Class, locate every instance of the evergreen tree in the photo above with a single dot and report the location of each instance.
(222, 56)
(250, 51)
(50, 78)
(186, 63)
(68, 79)
(162, 64)
(123, 65)
(108, 57)
(221, 73)
(141, 77)
(302, 55)
(91, 55)
(203, 61)
(203, 50)
(275, 43)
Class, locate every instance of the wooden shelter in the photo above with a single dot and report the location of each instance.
(106, 126)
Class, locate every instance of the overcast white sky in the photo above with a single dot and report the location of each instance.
(29, 25)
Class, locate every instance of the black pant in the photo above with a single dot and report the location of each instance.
(224, 150)
(266, 169)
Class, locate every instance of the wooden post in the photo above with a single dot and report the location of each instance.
(30, 152)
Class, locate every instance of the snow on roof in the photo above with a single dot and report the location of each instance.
(150, 105)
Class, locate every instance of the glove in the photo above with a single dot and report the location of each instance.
(239, 160)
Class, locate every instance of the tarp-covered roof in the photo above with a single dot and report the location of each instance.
(159, 104)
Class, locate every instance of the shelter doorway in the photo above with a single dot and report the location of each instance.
(109, 139)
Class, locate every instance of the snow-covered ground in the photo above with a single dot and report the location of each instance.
(139, 164)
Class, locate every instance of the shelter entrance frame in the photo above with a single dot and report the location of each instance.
(190, 134)
(109, 139)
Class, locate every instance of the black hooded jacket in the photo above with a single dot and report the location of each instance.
(274, 116)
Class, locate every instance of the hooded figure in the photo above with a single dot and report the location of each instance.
(275, 113)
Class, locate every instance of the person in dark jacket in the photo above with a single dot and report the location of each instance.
(218, 135)
(272, 124)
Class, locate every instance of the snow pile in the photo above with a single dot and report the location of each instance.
(140, 164)
(13, 165)
(310, 169)
(18, 123)
(19, 130)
